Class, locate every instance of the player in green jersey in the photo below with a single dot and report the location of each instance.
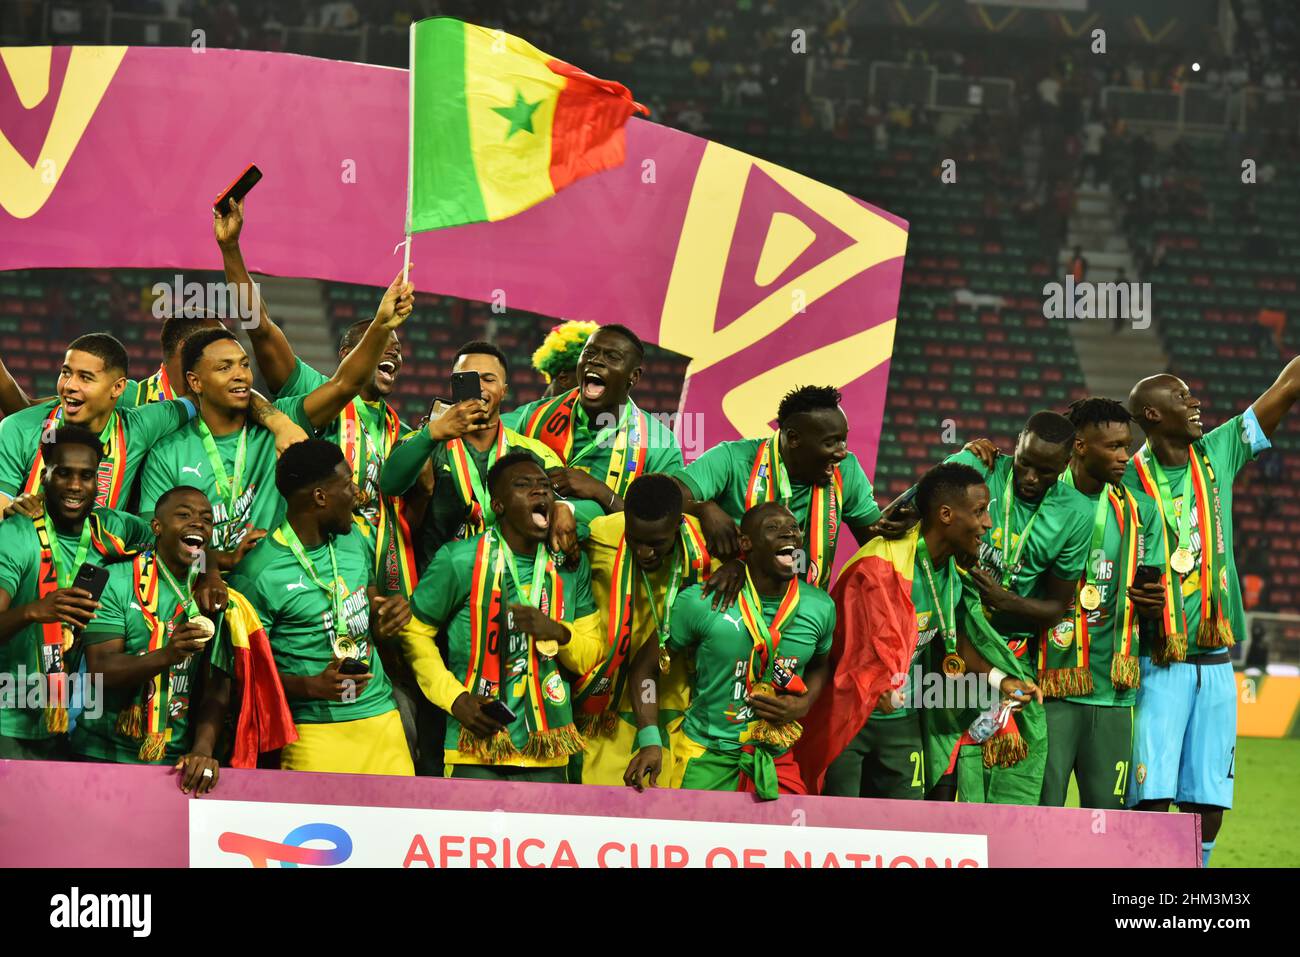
(169, 381)
(1087, 662)
(163, 663)
(312, 582)
(40, 556)
(758, 670)
(596, 429)
(516, 625)
(1184, 740)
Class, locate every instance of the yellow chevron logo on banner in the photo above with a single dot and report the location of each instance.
(1154, 37)
(988, 21)
(25, 188)
(914, 21)
(1069, 30)
(688, 323)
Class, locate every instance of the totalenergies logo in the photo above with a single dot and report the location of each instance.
(290, 852)
(26, 186)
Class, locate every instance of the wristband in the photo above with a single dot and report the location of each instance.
(995, 678)
(647, 736)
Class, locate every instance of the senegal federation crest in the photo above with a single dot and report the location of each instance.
(553, 688)
(1141, 773)
(1062, 635)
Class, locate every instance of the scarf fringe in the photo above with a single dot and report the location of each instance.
(1005, 750)
(56, 720)
(153, 747)
(599, 725)
(779, 736)
(1065, 682)
(1173, 648)
(557, 743)
(1215, 633)
(1125, 673)
(494, 750)
(130, 722)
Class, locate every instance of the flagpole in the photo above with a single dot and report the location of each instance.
(406, 260)
(410, 149)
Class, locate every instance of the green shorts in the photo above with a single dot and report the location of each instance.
(884, 760)
(1092, 741)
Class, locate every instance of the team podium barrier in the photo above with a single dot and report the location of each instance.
(130, 816)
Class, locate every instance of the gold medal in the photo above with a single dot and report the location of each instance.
(547, 648)
(665, 661)
(346, 648)
(1090, 597)
(1181, 560)
(953, 665)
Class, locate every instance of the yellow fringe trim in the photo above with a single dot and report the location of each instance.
(130, 722)
(153, 748)
(56, 720)
(1124, 672)
(494, 750)
(1174, 648)
(1065, 682)
(1005, 750)
(557, 743)
(781, 736)
(599, 725)
(1215, 633)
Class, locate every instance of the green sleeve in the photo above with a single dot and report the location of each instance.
(17, 450)
(586, 604)
(970, 458)
(440, 593)
(403, 465)
(16, 551)
(860, 506)
(368, 546)
(689, 621)
(149, 423)
(709, 475)
(302, 380)
(136, 532)
(1228, 448)
(109, 622)
(666, 456)
(585, 511)
(157, 476)
(514, 418)
(130, 396)
(1073, 554)
(294, 407)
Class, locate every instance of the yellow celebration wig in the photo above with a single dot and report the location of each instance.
(561, 347)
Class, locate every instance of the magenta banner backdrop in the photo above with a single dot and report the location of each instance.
(132, 816)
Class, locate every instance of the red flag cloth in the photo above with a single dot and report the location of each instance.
(789, 780)
(265, 721)
(875, 638)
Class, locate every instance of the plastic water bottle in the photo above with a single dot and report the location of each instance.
(989, 723)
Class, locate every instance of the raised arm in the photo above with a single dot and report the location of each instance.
(271, 347)
(1277, 401)
(327, 401)
(12, 397)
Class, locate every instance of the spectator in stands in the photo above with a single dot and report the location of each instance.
(502, 590)
(313, 585)
(1078, 265)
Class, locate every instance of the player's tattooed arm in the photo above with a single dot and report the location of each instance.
(271, 348)
(285, 429)
(1276, 402)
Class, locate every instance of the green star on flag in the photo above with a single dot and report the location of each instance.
(520, 114)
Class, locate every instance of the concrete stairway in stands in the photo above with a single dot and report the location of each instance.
(298, 307)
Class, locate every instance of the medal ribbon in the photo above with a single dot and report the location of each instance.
(947, 623)
(334, 590)
(156, 700)
(1164, 494)
(228, 490)
(114, 438)
(768, 477)
(466, 478)
(544, 573)
(751, 612)
(1009, 561)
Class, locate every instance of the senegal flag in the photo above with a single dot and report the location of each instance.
(265, 722)
(498, 126)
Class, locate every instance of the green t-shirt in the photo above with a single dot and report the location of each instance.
(721, 475)
(928, 628)
(718, 714)
(119, 618)
(20, 564)
(180, 459)
(1229, 447)
(1103, 620)
(303, 381)
(142, 428)
(299, 618)
(442, 599)
(663, 454)
(1058, 539)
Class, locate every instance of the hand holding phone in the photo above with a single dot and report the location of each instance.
(237, 190)
(465, 386)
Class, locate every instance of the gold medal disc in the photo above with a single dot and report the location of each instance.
(665, 661)
(953, 665)
(1090, 597)
(547, 648)
(346, 648)
(1181, 561)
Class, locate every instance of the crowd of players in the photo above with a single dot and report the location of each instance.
(552, 594)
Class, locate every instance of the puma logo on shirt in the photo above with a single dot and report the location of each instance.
(735, 621)
(193, 468)
(298, 584)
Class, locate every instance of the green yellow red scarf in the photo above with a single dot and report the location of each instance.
(394, 552)
(768, 481)
(465, 477)
(767, 641)
(108, 484)
(553, 423)
(156, 388)
(1215, 630)
(549, 723)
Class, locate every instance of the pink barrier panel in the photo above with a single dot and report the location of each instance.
(125, 816)
(111, 157)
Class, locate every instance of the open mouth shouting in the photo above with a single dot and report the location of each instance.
(785, 558)
(192, 545)
(72, 406)
(386, 373)
(540, 513)
(1194, 420)
(593, 387)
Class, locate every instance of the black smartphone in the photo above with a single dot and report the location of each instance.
(91, 578)
(353, 666)
(498, 710)
(465, 385)
(238, 189)
(1145, 575)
